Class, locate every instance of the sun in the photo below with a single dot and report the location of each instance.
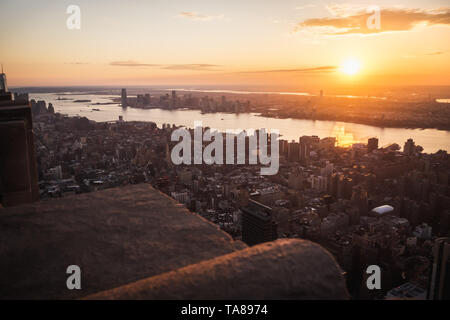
(351, 66)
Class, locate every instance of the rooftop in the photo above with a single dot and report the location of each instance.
(381, 210)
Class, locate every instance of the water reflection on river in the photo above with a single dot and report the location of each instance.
(291, 129)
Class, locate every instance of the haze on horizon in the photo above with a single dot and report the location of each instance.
(296, 44)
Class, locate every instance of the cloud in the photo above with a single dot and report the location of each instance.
(322, 69)
(78, 63)
(131, 63)
(435, 53)
(214, 67)
(191, 66)
(349, 21)
(432, 53)
(198, 16)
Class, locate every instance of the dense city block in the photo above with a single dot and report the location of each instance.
(367, 205)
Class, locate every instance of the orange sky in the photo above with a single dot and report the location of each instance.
(275, 43)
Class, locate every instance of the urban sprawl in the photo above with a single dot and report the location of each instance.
(367, 205)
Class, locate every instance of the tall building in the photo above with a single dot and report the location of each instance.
(124, 98)
(305, 147)
(139, 100)
(3, 83)
(147, 99)
(372, 144)
(293, 151)
(257, 224)
(439, 285)
(173, 103)
(410, 147)
(18, 173)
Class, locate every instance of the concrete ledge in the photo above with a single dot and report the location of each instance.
(116, 236)
(134, 242)
(283, 269)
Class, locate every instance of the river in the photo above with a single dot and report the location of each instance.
(291, 129)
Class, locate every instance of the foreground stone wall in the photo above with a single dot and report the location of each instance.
(283, 269)
(134, 242)
(116, 236)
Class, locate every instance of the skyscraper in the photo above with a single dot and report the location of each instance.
(439, 285)
(293, 151)
(409, 147)
(147, 99)
(124, 98)
(305, 146)
(173, 103)
(257, 224)
(18, 174)
(372, 144)
(3, 84)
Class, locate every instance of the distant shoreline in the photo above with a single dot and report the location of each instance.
(407, 120)
(367, 122)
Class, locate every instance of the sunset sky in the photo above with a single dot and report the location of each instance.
(234, 42)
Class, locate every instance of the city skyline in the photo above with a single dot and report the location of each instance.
(292, 44)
